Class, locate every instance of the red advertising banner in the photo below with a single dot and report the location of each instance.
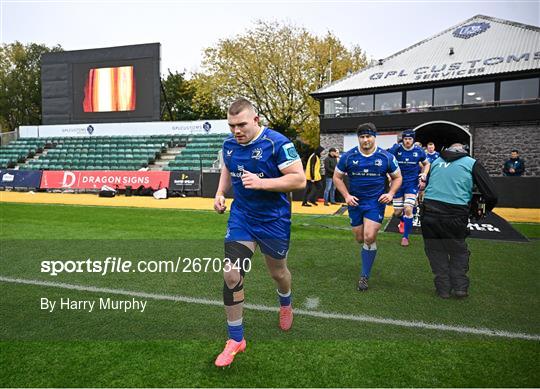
(95, 179)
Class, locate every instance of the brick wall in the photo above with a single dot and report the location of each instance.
(331, 140)
(492, 147)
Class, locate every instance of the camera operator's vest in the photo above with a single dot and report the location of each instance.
(451, 182)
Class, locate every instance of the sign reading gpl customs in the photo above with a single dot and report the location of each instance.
(457, 69)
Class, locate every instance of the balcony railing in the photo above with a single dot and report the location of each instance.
(505, 103)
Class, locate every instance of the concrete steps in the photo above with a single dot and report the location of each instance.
(165, 158)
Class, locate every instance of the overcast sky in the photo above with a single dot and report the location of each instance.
(185, 28)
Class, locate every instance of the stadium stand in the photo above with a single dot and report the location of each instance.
(111, 152)
(19, 151)
(201, 152)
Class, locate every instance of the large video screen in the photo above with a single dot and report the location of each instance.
(117, 84)
(110, 90)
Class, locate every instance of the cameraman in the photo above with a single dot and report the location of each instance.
(445, 212)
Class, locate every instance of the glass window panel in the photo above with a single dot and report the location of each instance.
(450, 95)
(419, 99)
(479, 93)
(361, 103)
(519, 89)
(387, 101)
(335, 106)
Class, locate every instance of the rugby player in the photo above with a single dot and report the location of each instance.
(431, 154)
(367, 166)
(410, 157)
(261, 165)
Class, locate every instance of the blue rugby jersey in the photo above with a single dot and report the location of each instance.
(367, 174)
(265, 156)
(432, 157)
(408, 161)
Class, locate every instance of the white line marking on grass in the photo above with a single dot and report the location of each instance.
(264, 308)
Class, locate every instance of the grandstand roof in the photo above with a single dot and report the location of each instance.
(481, 45)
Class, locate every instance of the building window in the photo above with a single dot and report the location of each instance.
(361, 103)
(419, 100)
(479, 93)
(388, 101)
(519, 89)
(335, 106)
(447, 96)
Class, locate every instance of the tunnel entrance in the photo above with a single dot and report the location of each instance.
(443, 134)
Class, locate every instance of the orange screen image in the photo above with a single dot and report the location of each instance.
(109, 90)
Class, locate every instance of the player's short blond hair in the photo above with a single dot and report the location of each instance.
(239, 105)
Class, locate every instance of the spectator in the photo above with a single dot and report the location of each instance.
(515, 166)
(431, 153)
(313, 177)
(329, 166)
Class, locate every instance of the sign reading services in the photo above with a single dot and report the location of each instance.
(453, 69)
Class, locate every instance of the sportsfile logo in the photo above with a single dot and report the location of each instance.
(119, 265)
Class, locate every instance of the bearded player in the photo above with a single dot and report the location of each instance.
(367, 167)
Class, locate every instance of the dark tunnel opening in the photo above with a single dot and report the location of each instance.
(443, 134)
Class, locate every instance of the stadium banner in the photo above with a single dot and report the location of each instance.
(89, 179)
(492, 227)
(20, 178)
(185, 180)
(126, 129)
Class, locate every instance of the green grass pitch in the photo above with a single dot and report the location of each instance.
(174, 344)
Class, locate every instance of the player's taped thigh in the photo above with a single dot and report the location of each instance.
(237, 253)
(398, 203)
(410, 202)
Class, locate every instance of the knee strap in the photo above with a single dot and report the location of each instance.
(235, 295)
(237, 253)
(410, 201)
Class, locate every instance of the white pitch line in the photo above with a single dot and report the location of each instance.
(264, 308)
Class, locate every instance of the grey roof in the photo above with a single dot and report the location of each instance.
(497, 46)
